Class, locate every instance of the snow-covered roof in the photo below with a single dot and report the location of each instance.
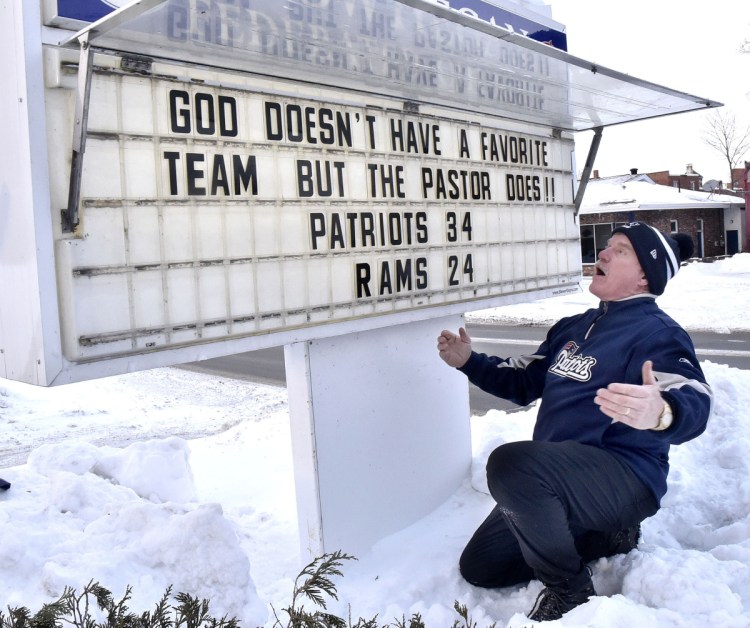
(639, 193)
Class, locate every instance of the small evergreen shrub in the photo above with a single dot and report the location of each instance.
(314, 583)
(75, 610)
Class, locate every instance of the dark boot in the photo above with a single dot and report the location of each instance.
(623, 541)
(556, 600)
(594, 545)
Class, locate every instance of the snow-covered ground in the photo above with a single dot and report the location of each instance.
(213, 512)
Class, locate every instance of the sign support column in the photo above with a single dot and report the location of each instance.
(380, 433)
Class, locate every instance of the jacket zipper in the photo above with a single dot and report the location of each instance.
(605, 307)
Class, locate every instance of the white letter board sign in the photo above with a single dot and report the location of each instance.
(255, 173)
(217, 209)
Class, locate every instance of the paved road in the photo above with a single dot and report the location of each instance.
(267, 365)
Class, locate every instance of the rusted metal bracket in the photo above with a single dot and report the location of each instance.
(586, 174)
(70, 218)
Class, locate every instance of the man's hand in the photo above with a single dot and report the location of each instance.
(637, 406)
(454, 350)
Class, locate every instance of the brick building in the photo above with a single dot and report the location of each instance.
(739, 179)
(715, 222)
(689, 180)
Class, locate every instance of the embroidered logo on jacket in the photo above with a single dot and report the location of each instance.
(568, 364)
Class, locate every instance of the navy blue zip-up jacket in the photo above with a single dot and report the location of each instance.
(589, 351)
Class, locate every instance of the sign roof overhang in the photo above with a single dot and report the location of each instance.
(416, 50)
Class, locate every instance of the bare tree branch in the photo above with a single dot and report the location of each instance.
(723, 135)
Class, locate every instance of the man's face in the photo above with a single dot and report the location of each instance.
(618, 273)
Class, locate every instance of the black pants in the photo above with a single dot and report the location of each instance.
(553, 499)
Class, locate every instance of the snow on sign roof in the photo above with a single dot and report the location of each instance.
(417, 50)
(638, 193)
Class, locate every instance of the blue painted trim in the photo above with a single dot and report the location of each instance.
(84, 10)
(493, 14)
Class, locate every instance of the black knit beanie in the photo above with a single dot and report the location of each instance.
(659, 254)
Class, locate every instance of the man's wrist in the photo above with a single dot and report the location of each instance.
(665, 418)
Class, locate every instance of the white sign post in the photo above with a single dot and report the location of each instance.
(380, 432)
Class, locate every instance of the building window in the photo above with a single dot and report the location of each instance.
(594, 240)
(673, 226)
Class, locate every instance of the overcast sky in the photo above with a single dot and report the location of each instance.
(689, 47)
